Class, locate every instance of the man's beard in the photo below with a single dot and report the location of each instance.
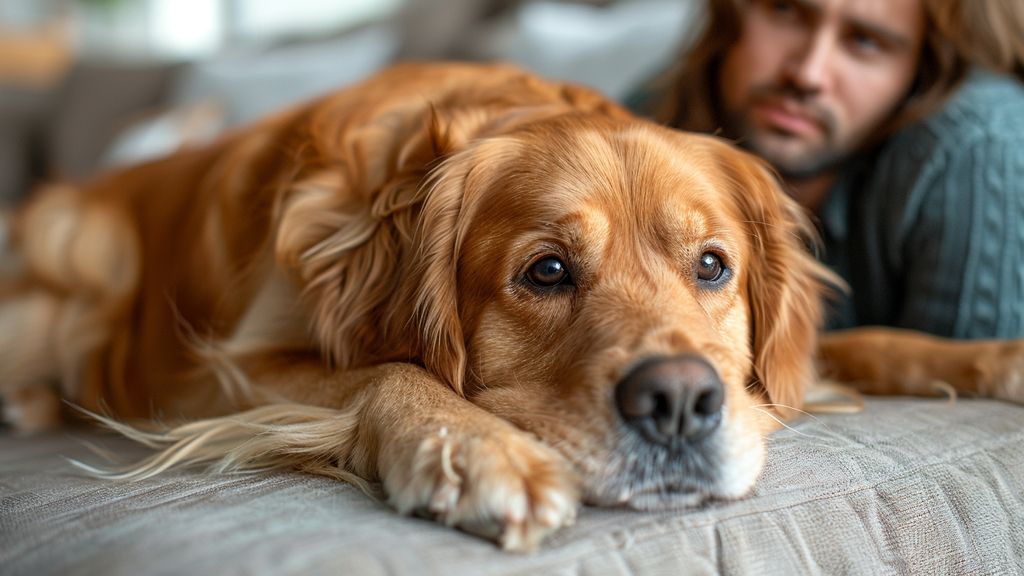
(811, 161)
(814, 163)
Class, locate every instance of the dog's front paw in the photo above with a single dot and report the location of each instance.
(504, 485)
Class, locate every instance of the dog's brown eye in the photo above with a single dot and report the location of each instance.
(548, 272)
(710, 267)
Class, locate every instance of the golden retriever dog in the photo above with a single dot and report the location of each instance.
(492, 295)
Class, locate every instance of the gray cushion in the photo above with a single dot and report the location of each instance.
(907, 486)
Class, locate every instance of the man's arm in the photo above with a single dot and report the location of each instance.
(964, 253)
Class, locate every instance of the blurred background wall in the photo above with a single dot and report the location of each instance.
(90, 84)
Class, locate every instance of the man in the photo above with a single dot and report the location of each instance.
(899, 124)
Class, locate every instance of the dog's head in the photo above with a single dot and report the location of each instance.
(639, 298)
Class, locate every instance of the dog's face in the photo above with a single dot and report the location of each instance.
(638, 298)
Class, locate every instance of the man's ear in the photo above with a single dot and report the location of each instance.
(785, 284)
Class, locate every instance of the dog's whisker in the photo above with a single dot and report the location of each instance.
(787, 407)
(780, 421)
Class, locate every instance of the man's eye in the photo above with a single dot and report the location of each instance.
(863, 43)
(549, 272)
(782, 8)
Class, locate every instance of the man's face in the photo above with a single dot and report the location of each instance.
(810, 80)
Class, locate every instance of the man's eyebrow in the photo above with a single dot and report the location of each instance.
(808, 6)
(888, 35)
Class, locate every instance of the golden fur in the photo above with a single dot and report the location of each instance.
(340, 289)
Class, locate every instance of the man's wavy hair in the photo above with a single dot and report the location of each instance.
(959, 34)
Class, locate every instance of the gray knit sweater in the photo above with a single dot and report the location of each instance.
(929, 231)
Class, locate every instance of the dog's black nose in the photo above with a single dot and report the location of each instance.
(666, 399)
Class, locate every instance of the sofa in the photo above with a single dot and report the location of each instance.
(906, 486)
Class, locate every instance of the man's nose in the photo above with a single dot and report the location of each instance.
(670, 399)
(810, 65)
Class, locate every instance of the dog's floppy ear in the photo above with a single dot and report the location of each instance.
(431, 293)
(373, 240)
(450, 200)
(785, 284)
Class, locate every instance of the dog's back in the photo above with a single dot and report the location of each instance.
(103, 271)
(123, 283)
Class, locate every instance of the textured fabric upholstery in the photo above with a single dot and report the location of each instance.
(908, 486)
